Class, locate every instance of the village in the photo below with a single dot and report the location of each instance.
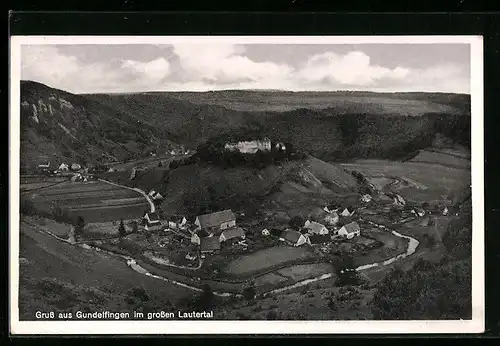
(205, 242)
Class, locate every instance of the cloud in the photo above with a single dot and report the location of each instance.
(351, 69)
(201, 67)
(226, 64)
(46, 64)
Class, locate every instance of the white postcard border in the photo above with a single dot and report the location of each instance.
(475, 325)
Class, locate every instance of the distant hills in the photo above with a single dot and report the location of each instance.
(331, 126)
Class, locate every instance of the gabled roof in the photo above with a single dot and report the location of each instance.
(349, 208)
(352, 227)
(153, 216)
(202, 233)
(319, 239)
(217, 218)
(233, 233)
(209, 244)
(291, 236)
(315, 227)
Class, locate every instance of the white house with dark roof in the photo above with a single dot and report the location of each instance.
(348, 211)
(350, 230)
(294, 238)
(152, 221)
(217, 221)
(232, 234)
(176, 221)
(314, 227)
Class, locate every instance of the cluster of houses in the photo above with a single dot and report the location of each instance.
(211, 231)
(315, 232)
(75, 170)
(208, 231)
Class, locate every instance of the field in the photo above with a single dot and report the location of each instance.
(340, 102)
(442, 158)
(95, 201)
(59, 277)
(266, 259)
(305, 271)
(427, 181)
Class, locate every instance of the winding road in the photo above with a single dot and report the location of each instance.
(132, 263)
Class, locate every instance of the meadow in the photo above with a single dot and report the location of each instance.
(95, 201)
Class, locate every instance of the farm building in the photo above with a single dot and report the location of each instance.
(348, 211)
(209, 245)
(152, 221)
(280, 146)
(399, 201)
(315, 227)
(294, 238)
(332, 218)
(157, 196)
(350, 230)
(319, 239)
(76, 177)
(176, 221)
(63, 167)
(196, 236)
(75, 167)
(366, 198)
(232, 234)
(418, 211)
(220, 220)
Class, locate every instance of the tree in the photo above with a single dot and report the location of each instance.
(160, 164)
(27, 207)
(296, 222)
(135, 227)
(205, 300)
(345, 270)
(249, 292)
(121, 229)
(79, 226)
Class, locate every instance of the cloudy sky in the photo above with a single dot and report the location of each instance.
(200, 67)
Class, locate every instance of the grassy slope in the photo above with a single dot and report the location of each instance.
(63, 278)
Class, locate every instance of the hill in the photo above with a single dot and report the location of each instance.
(367, 131)
(57, 125)
(101, 128)
(202, 187)
(342, 102)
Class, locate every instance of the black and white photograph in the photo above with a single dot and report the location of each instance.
(245, 185)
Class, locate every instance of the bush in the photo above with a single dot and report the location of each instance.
(206, 299)
(272, 315)
(249, 293)
(121, 229)
(27, 207)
